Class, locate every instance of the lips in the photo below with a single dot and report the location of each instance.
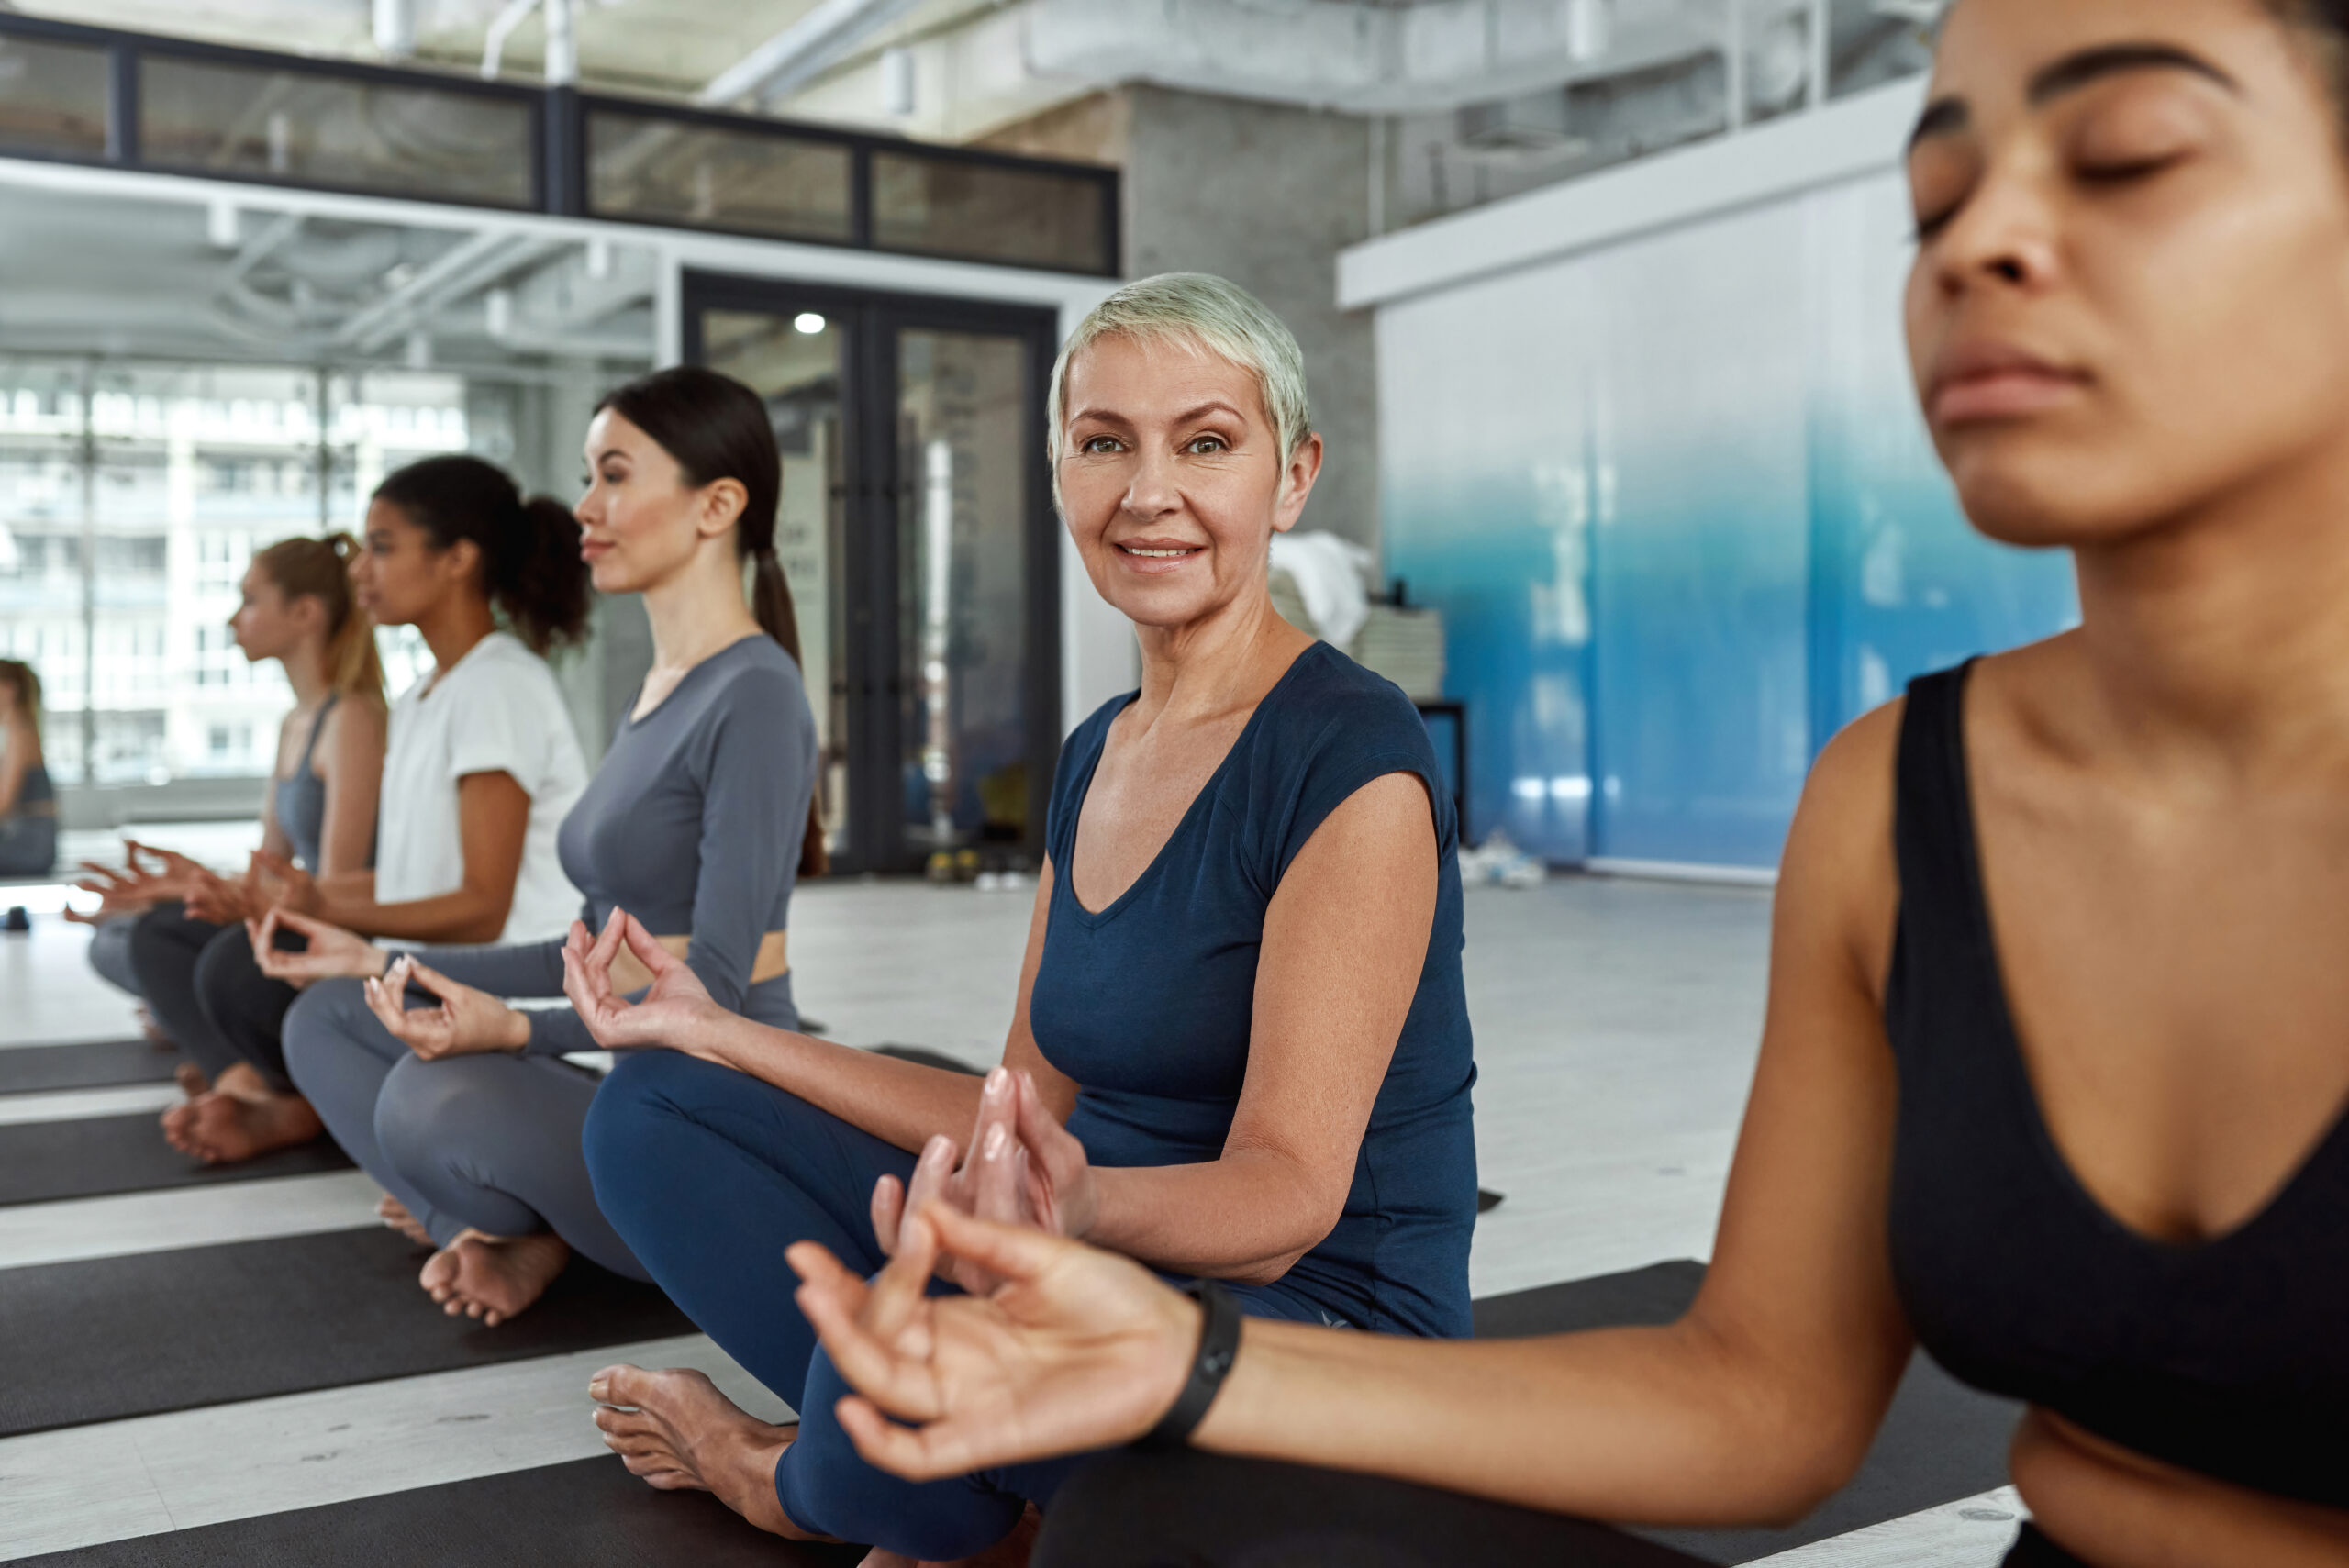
(1983, 383)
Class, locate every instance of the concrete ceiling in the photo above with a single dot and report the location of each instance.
(976, 65)
(668, 46)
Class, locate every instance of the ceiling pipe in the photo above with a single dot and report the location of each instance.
(802, 52)
(385, 313)
(396, 28)
(501, 28)
(427, 296)
(563, 45)
(1433, 57)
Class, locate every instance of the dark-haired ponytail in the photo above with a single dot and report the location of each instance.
(542, 586)
(717, 428)
(531, 565)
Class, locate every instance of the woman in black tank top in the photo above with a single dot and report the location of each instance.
(2057, 1045)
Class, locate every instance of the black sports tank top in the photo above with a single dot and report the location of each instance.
(2227, 1357)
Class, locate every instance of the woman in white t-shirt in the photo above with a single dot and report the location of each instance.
(481, 769)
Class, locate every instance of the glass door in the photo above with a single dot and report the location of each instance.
(917, 535)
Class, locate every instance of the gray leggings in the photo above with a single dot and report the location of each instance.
(489, 1142)
(110, 954)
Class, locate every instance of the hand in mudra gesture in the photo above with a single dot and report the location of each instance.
(467, 1021)
(137, 886)
(1021, 1167)
(332, 953)
(1074, 1349)
(676, 1010)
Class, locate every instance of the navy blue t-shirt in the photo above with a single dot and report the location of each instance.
(1148, 1004)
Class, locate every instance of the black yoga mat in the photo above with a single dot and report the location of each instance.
(105, 1338)
(101, 1064)
(588, 1514)
(44, 1160)
(1941, 1441)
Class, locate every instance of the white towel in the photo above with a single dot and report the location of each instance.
(1331, 573)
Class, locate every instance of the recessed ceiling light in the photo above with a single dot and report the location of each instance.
(807, 321)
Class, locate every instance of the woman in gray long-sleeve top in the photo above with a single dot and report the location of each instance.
(699, 822)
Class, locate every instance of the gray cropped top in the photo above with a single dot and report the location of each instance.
(693, 824)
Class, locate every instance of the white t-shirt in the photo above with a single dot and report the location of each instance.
(497, 710)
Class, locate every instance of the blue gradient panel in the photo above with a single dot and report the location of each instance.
(1679, 511)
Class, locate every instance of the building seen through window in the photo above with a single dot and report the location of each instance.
(133, 498)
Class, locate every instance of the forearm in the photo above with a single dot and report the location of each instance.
(467, 915)
(901, 1103)
(1247, 1217)
(528, 969)
(1635, 1426)
(2122, 1512)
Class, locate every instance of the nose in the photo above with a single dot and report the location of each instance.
(2004, 238)
(1153, 493)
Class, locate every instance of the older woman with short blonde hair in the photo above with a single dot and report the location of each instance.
(1241, 1051)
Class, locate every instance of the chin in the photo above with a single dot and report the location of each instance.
(2039, 500)
(610, 575)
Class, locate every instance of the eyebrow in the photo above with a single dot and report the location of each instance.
(1946, 117)
(1112, 417)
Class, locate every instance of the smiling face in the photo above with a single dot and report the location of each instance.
(641, 522)
(1172, 479)
(2130, 298)
(268, 625)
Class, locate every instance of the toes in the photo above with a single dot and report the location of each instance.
(619, 1384)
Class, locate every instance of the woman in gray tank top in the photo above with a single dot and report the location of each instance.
(159, 912)
(27, 800)
(698, 823)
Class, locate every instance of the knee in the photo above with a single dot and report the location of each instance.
(430, 1112)
(318, 1027)
(110, 954)
(643, 1095)
(824, 1484)
(226, 960)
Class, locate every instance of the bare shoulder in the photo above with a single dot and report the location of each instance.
(1839, 879)
(354, 734)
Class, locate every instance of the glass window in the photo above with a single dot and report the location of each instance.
(988, 212)
(962, 550)
(353, 134)
(792, 360)
(53, 97)
(641, 166)
(117, 577)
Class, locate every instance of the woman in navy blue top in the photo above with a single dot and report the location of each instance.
(1241, 994)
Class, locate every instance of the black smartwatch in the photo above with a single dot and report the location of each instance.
(1218, 1344)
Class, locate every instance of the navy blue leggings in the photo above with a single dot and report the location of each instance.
(709, 1175)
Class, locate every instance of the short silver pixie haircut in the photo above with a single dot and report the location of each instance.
(1201, 311)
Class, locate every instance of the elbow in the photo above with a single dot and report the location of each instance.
(482, 929)
(486, 922)
(1816, 1455)
(1270, 1271)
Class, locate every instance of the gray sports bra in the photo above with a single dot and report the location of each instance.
(301, 801)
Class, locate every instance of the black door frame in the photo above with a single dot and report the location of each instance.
(871, 495)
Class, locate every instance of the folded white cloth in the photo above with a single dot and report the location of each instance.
(1331, 575)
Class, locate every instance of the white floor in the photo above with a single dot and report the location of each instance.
(1616, 1027)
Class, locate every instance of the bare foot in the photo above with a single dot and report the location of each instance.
(493, 1277)
(677, 1431)
(219, 1127)
(154, 1031)
(191, 1079)
(394, 1213)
